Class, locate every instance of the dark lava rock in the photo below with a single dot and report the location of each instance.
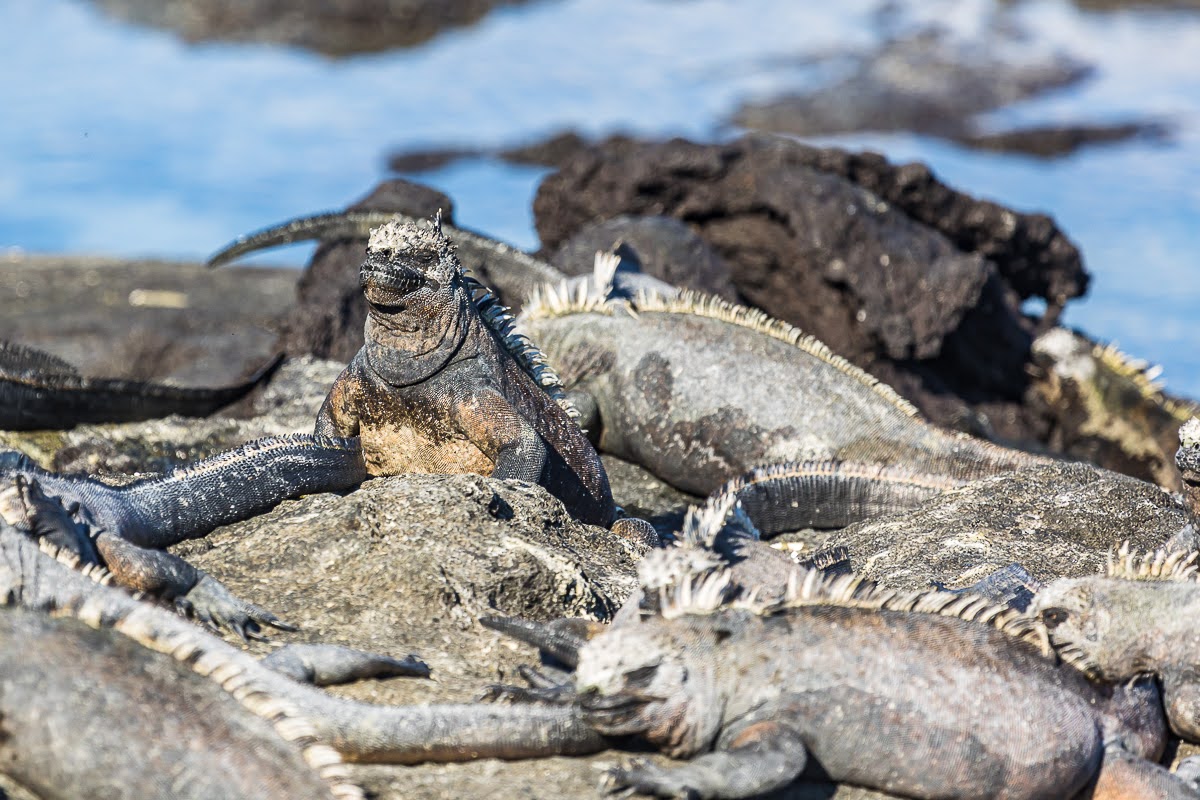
(891, 268)
(668, 250)
(924, 83)
(340, 28)
(1053, 141)
(1055, 521)
(327, 320)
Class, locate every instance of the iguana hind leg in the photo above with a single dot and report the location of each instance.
(760, 758)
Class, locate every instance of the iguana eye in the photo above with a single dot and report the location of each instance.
(641, 677)
(1053, 617)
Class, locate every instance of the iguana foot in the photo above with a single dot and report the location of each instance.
(215, 606)
(637, 530)
(524, 695)
(329, 664)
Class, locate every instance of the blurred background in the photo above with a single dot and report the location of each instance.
(136, 128)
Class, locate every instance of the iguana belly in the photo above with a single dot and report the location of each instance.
(393, 450)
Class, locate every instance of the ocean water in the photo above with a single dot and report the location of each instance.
(125, 141)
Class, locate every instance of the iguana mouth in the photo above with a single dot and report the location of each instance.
(617, 714)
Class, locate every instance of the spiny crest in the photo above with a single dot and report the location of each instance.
(847, 469)
(1157, 565)
(1144, 376)
(563, 301)
(267, 444)
(604, 272)
(702, 524)
(195, 649)
(527, 354)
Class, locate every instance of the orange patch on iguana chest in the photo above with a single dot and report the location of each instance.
(397, 449)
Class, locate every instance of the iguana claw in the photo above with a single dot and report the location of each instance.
(216, 607)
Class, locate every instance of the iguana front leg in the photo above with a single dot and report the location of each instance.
(168, 577)
(337, 417)
(1181, 695)
(493, 425)
(759, 758)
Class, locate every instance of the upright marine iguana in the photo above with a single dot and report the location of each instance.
(443, 385)
(38, 390)
(698, 391)
(32, 579)
(125, 528)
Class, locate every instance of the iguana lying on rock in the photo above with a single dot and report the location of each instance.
(33, 580)
(698, 676)
(1136, 619)
(698, 391)
(38, 390)
(125, 528)
(443, 385)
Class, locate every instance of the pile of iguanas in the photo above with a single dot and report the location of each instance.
(754, 668)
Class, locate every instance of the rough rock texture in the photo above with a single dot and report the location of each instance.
(668, 249)
(328, 316)
(912, 280)
(145, 319)
(926, 83)
(407, 565)
(336, 28)
(1055, 521)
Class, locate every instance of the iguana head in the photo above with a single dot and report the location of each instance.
(656, 679)
(413, 283)
(1116, 625)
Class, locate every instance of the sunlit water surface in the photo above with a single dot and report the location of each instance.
(125, 141)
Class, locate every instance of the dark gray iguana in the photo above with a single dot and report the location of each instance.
(38, 390)
(698, 391)
(34, 580)
(126, 528)
(443, 385)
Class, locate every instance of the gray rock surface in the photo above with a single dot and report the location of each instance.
(1060, 520)
(145, 319)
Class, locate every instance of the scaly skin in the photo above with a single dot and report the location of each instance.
(997, 718)
(125, 528)
(436, 388)
(359, 731)
(698, 391)
(1138, 619)
(91, 713)
(40, 391)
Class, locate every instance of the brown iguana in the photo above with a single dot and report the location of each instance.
(443, 385)
(38, 390)
(698, 391)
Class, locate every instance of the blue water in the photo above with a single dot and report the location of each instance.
(125, 141)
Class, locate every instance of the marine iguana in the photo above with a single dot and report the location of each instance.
(1137, 618)
(32, 579)
(697, 674)
(654, 377)
(38, 390)
(125, 528)
(443, 385)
